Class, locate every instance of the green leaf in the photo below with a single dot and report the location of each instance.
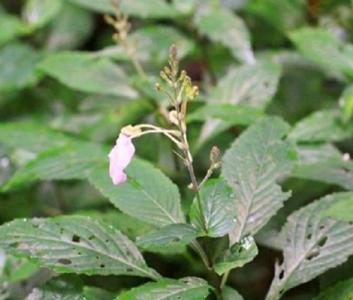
(237, 256)
(313, 243)
(64, 32)
(324, 49)
(217, 200)
(224, 27)
(230, 113)
(152, 9)
(251, 85)
(73, 161)
(346, 104)
(321, 126)
(75, 244)
(168, 239)
(231, 294)
(341, 209)
(11, 27)
(324, 163)
(147, 195)
(18, 69)
(40, 12)
(341, 291)
(31, 137)
(188, 288)
(84, 72)
(252, 166)
(94, 293)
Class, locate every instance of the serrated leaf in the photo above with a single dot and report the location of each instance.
(39, 12)
(341, 291)
(188, 288)
(218, 217)
(252, 85)
(84, 72)
(321, 126)
(237, 256)
(252, 166)
(229, 113)
(18, 69)
(75, 244)
(313, 243)
(324, 49)
(326, 164)
(147, 195)
(168, 239)
(73, 161)
(224, 27)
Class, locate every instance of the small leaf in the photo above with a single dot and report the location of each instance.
(231, 294)
(237, 256)
(222, 26)
(346, 104)
(39, 12)
(11, 27)
(230, 113)
(321, 126)
(147, 195)
(341, 291)
(252, 166)
(84, 72)
(75, 244)
(324, 49)
(188, 288)
(18, 69)
(217, 200)
(168, 239)
(313, 243)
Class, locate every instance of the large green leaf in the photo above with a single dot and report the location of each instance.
(169, 239)
(147, 194)
(237, 256)
(18, 67)
(39, 12)
(341, 291)
(321, 126)
(313, 243)
(73, 161)
(252, 85)
(84, 72)
(188, 288)
(324, 49)
(324, 163)
(75, 244)
(222, 26)
(218, 217)
(252, 166)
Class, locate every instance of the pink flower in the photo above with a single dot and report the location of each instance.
(119, 158)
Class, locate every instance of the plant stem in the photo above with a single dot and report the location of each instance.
(224, 280)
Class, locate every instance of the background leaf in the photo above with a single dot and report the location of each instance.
(342, 291)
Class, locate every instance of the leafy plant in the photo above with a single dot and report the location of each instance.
(227, 177)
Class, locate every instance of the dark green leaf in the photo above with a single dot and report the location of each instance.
(341, 291)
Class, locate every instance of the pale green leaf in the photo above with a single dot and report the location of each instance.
(147, 195)
(84, 72)
(324, 49)
(231, 294)
(237, 256)
(346, 104)
(252, 166)
(341, 291)
(321, 126)
(188, 288)
(224, 27)
(168, 239)
(40, 12)
(18, 67)
(11, 27)
(218, 217)
(342, 209)
(75, 244)
(313, 243)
